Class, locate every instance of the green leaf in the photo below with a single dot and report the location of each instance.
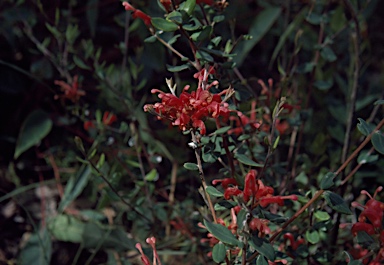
(305, 68)
(188, 6)
(259, 27)
(175, 17)
(365, 157)
(75, 186)
(263, 246)
(261, 260)
(222, 233)
(38, 249)
(80, 63)
(173, 39)
(312, 237)
(364, 239)
(214, 192)
(241, 216)
(363, 127)
(379, 102)
(96, 235)
(247, 161)
(378, 142)
(222, 130)
(191, 166)
(336, 202)
(218, 18)
(202, 35)
(204, 56)
(163, 24)
(177, 68)
(314, 19)
(194, 24)
(338, 19)
(327, 181)
(66, 228)
(322, 215)
(218, 252)
(225, 205)
(328, 54)
(152, 175)
(34, 129)
(92, 13)
(323, 84)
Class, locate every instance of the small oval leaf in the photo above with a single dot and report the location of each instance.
(336, 202)
(247, 161)
(163, 24)
(214, 192)
(218, 252)
(191, 166)
(263, 247)
(222, 233)
(312, 237)
(378, 142)
(35, 127)
(327, 181)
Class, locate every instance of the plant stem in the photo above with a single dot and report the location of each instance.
(202, 177)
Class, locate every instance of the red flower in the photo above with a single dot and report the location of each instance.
(138, 13)
(167, 4)
(109, 118)
(253, 188)
(242, 121)
(189, 110)
(359, 226)
(88, 125)
(225, 182)
(260, 225)
(250, 187)
(231, 191)
(207, 2)
(294, 243)
(71, 92)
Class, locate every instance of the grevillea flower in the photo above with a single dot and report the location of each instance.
(152, 242)
(190, 110)
(138, 13)
(207, 2)
(71, 92)
(294, 243)
(253, 188)
(373, 212)
(370, 221)
(242, 121)
(260, 225)
(109, 118)
(167, 4)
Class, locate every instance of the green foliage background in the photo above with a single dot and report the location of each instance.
(325, 57)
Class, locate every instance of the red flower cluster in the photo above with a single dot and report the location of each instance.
(71, 92)
(370, 221)
(253, 188)
(138, 13)
(189, 110)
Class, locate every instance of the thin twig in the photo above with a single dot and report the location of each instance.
(202, 177)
